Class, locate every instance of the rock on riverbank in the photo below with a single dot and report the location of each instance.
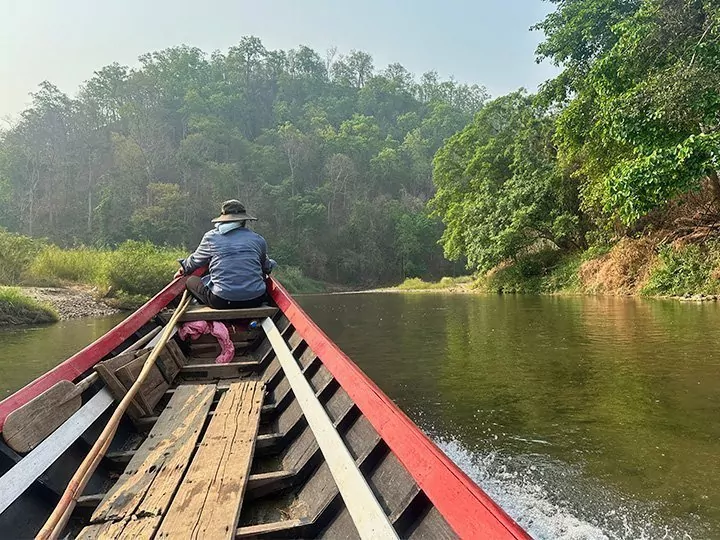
(70, 302)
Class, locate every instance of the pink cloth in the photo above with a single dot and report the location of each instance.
(195, 329)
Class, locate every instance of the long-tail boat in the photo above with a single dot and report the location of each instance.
(288, 440)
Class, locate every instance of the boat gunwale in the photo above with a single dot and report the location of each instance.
(469, 511)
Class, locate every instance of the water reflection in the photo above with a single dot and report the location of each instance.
(27, 352)
(627, 390)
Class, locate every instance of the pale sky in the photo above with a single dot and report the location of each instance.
(478, 41)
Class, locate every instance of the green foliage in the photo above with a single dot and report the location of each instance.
(309, 146)
(53, 266)
(446, 283)
(293, 279)
(140, 268)
(500, 189)
(643, 124)
(16, 254)
(690, 269)
(546, 271)
(17, 308)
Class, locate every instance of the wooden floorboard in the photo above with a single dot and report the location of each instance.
(208, 502)
(146, 487)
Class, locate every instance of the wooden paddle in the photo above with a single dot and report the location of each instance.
(29, 425)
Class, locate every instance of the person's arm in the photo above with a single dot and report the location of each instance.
(267, 263)
(201, 257)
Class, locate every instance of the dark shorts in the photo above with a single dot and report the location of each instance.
(203, 293)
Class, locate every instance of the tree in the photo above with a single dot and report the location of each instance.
(644, 84)
(499, 188)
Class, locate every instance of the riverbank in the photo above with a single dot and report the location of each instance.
(643, 266)
(71, 302)
(19, 308)
(38, 305)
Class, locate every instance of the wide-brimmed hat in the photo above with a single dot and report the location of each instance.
(233, 210)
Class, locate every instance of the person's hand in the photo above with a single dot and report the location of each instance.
(179, 273)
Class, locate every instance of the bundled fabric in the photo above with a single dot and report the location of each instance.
(195, 329)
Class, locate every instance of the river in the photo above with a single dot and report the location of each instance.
(585, 417)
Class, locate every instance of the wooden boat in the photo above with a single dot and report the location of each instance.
(289, 440)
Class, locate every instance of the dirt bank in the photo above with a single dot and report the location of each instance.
(70, 302)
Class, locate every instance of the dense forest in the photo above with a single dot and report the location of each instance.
(625, 141)
(333, 156)
(364, 176)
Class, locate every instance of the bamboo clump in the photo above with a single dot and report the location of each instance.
(55, 524)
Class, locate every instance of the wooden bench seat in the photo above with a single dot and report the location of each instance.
(205, 313)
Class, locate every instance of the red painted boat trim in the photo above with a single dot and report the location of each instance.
(80, 362)
(467, 508)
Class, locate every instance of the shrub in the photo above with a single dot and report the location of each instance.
(16, 254)
(16, 308)
(684, 270)
(140, 268)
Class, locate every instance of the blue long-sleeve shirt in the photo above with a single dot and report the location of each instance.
(237, 260)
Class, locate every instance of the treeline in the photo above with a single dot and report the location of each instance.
(334, 156)
(624, 141)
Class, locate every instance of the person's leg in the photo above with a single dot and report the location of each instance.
(199, 290)
(243, 304)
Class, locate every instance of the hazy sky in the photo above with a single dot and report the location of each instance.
(64, 41)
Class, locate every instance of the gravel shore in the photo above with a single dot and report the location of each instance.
(70, 303)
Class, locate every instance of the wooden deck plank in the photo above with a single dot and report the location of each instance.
(367, 514)
(139, 529)
(14, 482)
(204, 313)
(208, 502)
(147, 485)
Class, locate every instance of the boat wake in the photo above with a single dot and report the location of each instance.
(552, 500)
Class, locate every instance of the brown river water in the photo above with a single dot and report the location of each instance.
(584, 417)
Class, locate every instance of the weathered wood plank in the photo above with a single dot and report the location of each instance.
(27, 426)
(204, 313)
(207, 504)
(147, 485)
(154, 386)
(140, 529)
(23, 474)
(219, 371)
(367, 514)
(118, 391)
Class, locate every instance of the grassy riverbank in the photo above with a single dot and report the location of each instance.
(642, 266)
(122, 277)
(17, 308)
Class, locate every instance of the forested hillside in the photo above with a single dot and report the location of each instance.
(331, 153)
(624, 143)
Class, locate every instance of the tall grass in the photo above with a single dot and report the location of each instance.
(130, 273)
(53, 266)
(16, 308)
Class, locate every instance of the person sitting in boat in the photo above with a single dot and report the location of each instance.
(237, 259)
